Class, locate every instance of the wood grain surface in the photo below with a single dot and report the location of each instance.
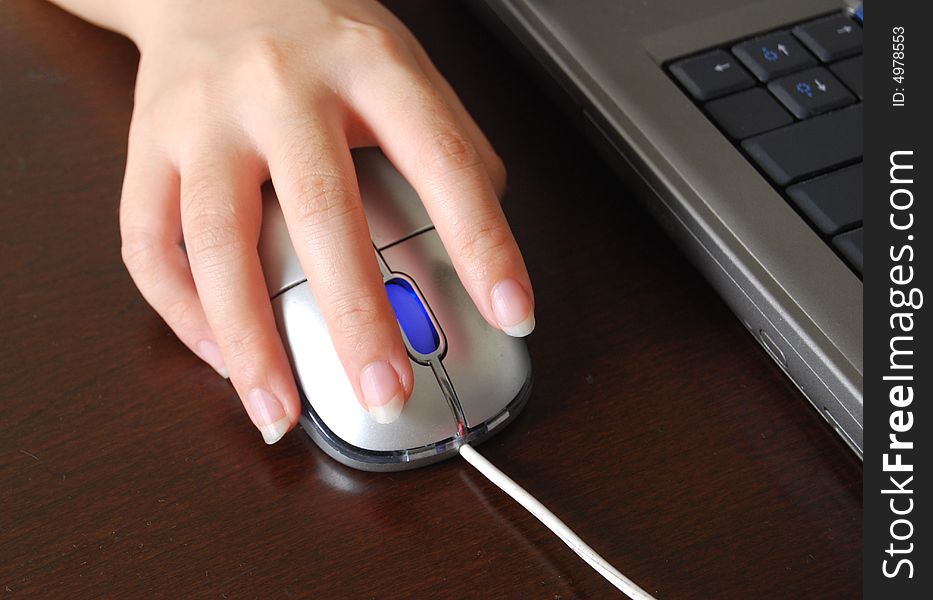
(658, 428)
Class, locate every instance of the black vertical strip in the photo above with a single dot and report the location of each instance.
(450, 394)
(898, 369)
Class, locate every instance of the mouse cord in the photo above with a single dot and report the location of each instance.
(550, 520)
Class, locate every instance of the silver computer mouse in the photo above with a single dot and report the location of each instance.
(470, 378)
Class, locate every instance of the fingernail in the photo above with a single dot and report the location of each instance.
(210, 353)
(512, 308)
(382, 392)
(268, 415)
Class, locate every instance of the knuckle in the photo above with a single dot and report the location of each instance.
(138, 250)
(484, 240)
(449, 151)
(355, 319)
(194, 90)
(204, 195)
(266, 62)
(374, 41)
(179, 314)
(321, 199)
(212, 233)
(240, 344)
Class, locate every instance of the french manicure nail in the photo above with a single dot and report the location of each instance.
(210, 353)
(268, 415)
(512, 308)
(382, 392)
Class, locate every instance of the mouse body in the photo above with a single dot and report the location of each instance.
(470, 378)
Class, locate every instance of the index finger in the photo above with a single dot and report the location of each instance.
(422, 137)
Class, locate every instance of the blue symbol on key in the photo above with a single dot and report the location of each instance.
(804, 88)
(769, 54)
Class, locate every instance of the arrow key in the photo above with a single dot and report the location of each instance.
(773, 55)
(810, 92)
(711, 75)
(831, 38)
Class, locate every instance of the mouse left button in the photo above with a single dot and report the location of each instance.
(393, 208)
(425, 421)
(280, 264)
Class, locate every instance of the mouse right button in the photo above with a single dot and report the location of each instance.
(487, 368)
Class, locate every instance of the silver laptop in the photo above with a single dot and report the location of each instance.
(741, 122)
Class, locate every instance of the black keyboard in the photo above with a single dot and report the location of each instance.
(790, 99)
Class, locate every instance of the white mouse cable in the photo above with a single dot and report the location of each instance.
(550, 520)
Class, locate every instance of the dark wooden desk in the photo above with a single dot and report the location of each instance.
(658, 428)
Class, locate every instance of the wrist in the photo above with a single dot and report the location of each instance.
(146, 22)
(127, 17)
(138, 20)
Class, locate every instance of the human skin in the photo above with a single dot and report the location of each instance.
(233, 93)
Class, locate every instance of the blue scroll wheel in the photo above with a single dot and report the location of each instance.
(412, 317)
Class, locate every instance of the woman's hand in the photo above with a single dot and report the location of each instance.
(231, 93)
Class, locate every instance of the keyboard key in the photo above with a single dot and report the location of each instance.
(710, 75)
(849, 244)
(748, 113)
(851, 72)
(832, 202)
(831, 38)
(806, 148)
(811, 92)
(773, 55)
